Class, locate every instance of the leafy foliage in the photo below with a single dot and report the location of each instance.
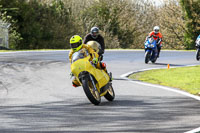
(191, 10)
(38, 24)
(111, 17)
(172, 25)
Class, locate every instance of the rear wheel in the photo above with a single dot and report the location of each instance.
(91, 93)
(154, 60)
(110, 95)
(147, 57)
(198, 54)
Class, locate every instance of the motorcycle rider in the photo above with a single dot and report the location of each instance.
(76, 44)
(95, 36)
(157, 36)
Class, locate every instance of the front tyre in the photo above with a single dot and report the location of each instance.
(147, 57)
(198, 54)
(90, 92)
(110, 95)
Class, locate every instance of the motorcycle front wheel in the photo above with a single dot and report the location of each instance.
(110, 95)
(147, 57)
(91, 93)
(198, 54)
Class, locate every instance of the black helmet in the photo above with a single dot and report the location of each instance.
(94, 32)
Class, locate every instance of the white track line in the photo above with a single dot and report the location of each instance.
(197, 130)
(125, 76)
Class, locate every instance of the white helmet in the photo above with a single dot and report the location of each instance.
(156, 29)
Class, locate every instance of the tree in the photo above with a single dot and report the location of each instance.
(191, 9)
(7, 11)
(172, 24)
(39, 25)
(115, 18)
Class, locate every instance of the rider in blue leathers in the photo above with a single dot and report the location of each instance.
(197, 39)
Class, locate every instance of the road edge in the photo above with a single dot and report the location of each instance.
(125, 77)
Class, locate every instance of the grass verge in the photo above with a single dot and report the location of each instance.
(185, 78)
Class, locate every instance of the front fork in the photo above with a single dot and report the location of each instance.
(91, 78)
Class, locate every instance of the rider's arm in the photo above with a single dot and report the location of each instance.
(86, 39)
(160, 38)
(151, 34)
(102, 43)
(159, 41)
(91, 51)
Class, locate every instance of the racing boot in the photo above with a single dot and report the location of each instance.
(103, 66)
(75, 82)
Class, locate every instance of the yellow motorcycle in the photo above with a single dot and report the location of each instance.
(95, 82)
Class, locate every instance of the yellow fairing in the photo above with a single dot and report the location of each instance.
(84, 65)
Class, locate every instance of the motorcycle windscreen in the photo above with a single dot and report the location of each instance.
(79, 55)
(151, 40)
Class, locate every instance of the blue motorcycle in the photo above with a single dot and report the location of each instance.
(151, 51)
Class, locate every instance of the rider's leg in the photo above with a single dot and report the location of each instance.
(75, 82)
(101, 65)
(159, 48)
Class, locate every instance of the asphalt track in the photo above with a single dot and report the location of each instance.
(36, 96)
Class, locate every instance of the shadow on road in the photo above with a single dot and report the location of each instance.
(79, 116)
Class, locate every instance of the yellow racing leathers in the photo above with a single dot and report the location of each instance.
(93, 55)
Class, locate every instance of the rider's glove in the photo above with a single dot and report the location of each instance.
(95, 60)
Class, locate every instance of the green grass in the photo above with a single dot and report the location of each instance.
(185, 78)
